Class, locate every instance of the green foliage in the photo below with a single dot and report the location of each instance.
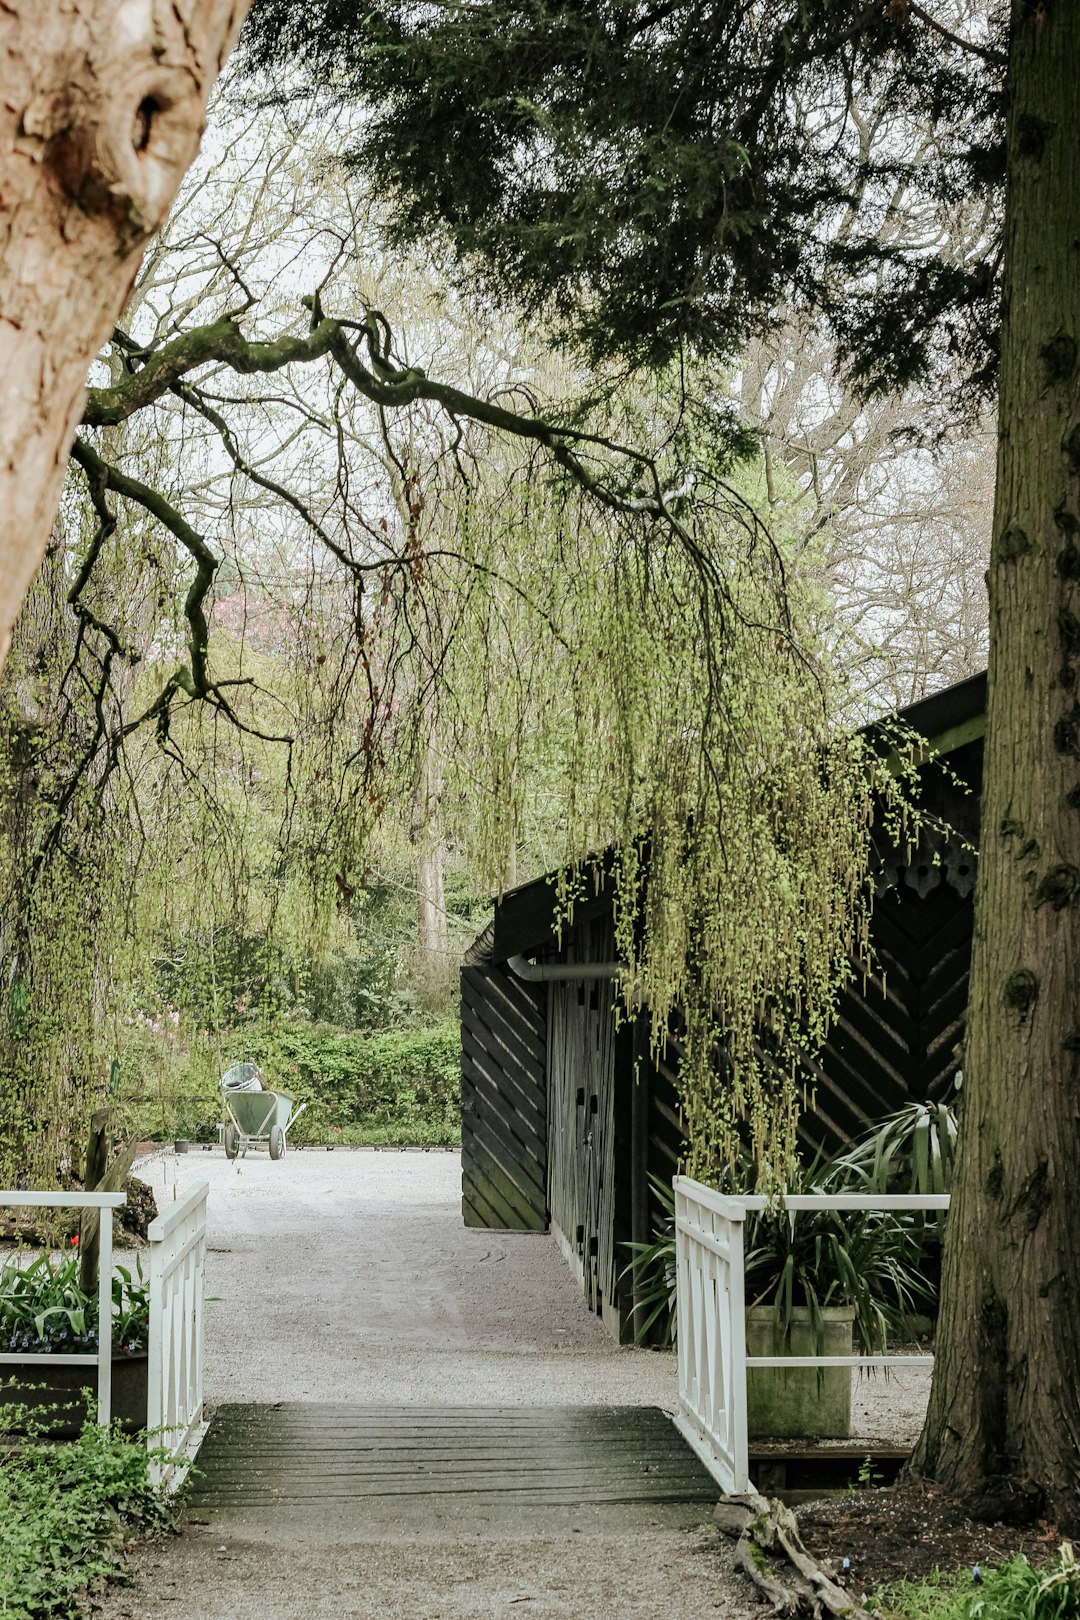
(913, 1151)
(400, 1086)
(1014, 1591)
(873, 1260)
(43, 1308)
(651, 1275)
(65, 1511)
(869, 1259)
(652, 180)
(737, 813)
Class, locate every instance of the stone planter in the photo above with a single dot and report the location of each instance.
(61, 1386)
(807, 1401)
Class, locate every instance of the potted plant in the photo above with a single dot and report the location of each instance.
(820, 1282)
(43, 1311)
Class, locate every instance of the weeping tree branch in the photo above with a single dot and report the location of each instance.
(389, 386)
(361, 353)
(195, 679)
(223, 343)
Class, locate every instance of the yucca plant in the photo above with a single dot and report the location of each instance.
(867, 1259)
(873, 1260)
(651, 1275)
(913, 1151)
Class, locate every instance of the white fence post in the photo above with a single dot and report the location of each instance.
(710, 1334)
(710, 1307)
(104, 1383)
(102, 1357)
(175, 1370)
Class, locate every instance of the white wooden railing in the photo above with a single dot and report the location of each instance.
(710, 1315)
(174, 1418)
(710, 1335)
(102, 1358)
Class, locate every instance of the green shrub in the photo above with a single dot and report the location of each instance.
(399, 1086)
(65, 1510)
(1014, 1591)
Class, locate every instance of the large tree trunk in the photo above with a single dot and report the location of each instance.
(102, 104)
(1004, 1416)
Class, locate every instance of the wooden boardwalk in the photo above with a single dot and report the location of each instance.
(293, 1457)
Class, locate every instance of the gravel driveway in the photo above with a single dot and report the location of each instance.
(348, 1276)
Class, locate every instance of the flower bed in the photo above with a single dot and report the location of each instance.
(45, 1311)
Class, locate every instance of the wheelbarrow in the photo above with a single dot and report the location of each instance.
(256, 1114)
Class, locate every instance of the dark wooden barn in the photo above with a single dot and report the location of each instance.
(556, 1134)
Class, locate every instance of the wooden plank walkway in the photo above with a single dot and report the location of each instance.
(297, 1455)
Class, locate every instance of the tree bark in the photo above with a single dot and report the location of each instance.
(426, 832)
(102, 105)
(1003, 1426)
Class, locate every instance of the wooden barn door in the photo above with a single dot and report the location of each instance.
(503, 1101)
(581, 1120)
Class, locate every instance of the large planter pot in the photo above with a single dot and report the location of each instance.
(807, 1402)
(60, 1387)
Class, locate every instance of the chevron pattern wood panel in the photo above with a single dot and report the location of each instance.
(896, 1036)
(503, 1100)
(895, 1039)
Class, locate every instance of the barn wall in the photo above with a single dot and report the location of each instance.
(898, 1032)
(584, 1155)
(897, 1035)
(503, 1100)
(547, 1090)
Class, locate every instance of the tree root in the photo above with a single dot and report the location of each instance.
(771, 1553)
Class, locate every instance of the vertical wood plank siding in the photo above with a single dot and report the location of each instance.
(503, 1101)
(582, 1163)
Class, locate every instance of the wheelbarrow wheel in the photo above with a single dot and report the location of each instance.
(277, 1142)
(232, 1142)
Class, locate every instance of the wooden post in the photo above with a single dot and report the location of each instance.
(639, 1154)
(97, 1159)
(103, 1236)
(107, 1178)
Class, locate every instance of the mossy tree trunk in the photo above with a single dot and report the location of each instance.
(101, 109)
(1004, 1417)
(429, 844)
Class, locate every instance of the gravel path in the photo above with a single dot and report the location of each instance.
(581, 1573)
(349, 1276)
(351, 1273)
